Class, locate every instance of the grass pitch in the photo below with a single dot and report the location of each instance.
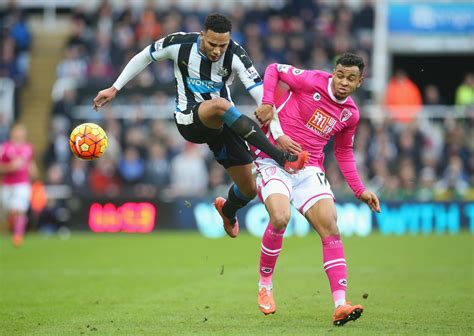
(182, 284)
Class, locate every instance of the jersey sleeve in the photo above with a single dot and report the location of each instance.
(295, 78)
(163, 48)
(244, 68)
(344, 153)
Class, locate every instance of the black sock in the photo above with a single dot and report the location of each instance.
(251, 132)
(234, 202)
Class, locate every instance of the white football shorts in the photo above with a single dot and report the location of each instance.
(304, 188)
(16, 197)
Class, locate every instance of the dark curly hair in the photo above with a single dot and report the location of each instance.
(218, 23)
(349, 59)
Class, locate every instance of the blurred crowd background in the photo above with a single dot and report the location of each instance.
(402, 153)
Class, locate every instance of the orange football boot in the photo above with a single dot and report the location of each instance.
(346, 313)
(17, 240)
(231, 229)
(266, 303)
(293, 166)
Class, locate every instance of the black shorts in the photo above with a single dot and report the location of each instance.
(228, 148)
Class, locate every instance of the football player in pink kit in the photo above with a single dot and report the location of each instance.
(16, 165)
(316, 107)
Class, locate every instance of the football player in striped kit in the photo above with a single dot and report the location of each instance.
(205, 64)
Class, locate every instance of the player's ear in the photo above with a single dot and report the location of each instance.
(361, 79)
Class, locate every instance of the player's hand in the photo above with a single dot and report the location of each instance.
(103, 97)
(286, 144)
(371, 199)
(264, 114)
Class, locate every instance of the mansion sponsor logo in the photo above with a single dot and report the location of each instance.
(321, 122)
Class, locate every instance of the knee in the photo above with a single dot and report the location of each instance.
(220, 105)
(250, 190)
(280, 219)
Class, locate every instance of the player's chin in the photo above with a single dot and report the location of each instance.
(343, 94)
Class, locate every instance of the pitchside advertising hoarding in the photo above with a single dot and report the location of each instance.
(353, 218)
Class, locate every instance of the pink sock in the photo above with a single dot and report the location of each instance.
(335, 267)
(271, 246)
(19, 227)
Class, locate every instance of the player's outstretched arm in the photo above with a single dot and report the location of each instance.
(136, 65)
(371, 199)
(103, 97)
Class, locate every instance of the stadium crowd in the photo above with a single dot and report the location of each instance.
(400, 160)
(15, 43)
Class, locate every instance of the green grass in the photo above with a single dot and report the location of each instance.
(183, 284)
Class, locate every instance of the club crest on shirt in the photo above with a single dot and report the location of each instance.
(345, 114)
(317, 96)
(269, 171)
(222, 71)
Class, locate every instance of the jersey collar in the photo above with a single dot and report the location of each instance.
(198, 44)
(333, 97)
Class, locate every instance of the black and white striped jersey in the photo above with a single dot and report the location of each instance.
(199, 79)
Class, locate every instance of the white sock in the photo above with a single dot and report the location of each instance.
(339, 302)
(268, 287)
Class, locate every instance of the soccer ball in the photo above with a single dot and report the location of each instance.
(88, 141)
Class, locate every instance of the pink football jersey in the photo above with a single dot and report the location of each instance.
(310, 114)
(10, 151)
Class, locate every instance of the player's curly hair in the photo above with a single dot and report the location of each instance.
(350, 59)
(218, 23)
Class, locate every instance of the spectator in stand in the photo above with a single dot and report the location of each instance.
(391, 189)
(56, 213)
(218, 182)
(365, 17)
(103, 178)
(157, 167)
(78, 176)
(465, 91)
(409, 143)
(432, 96)
(9, 64)
(425, 191)
(72, 66)
(131, 166)
(402, 98)
(407, 173)
(454, 183)
(183, 183)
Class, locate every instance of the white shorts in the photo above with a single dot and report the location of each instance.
(16, 197)
(304, 188)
